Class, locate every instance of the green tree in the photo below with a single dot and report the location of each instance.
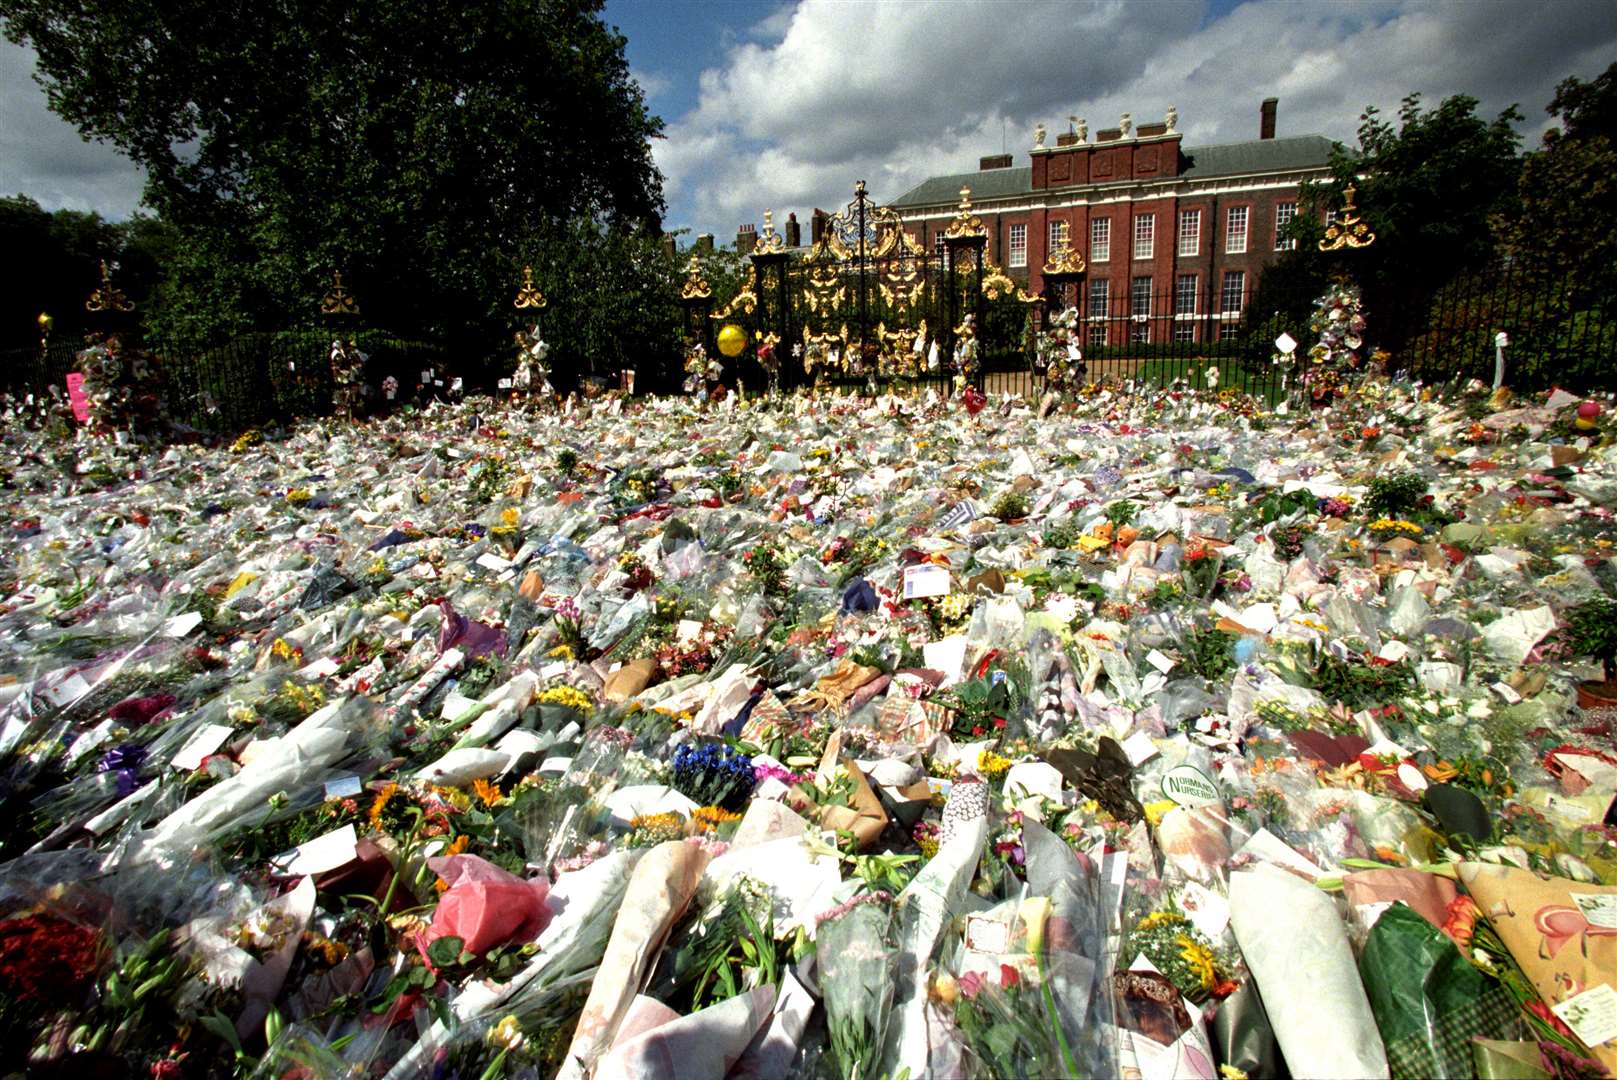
(54, 263)
(411, 145)
(1428, 186)
(1566, 217)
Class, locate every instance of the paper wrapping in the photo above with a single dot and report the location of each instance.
(485, 906)
(924, 909)
(1559, 931)
(701, 1046)
(660, 888)
(1297, 949)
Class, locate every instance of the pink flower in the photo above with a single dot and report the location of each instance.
(971, 984)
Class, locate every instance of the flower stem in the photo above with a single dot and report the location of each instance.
(1055, 1020)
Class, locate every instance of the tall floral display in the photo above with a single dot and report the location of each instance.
(1338, 325)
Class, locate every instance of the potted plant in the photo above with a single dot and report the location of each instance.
(1592, 631)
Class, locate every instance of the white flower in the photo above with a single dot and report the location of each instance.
(1062, 606)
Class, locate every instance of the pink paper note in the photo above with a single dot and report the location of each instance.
(76, 396)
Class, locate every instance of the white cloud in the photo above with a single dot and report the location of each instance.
(44, 157)
(653, 84)
(895, 92)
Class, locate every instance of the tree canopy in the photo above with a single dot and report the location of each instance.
(1428, 186)
(411, 145)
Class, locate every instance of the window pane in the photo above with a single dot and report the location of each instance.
(1145, 231)
(1184, 295)
(1140, 332)
(1190, 232)
(1140, 295)
(1018, 252)
(1235, 232)
(1284, 213)
(1232, 298)
(1100, 239)
(1097, 334)
(1058, 238)
(1099, 299)
(1185, 331)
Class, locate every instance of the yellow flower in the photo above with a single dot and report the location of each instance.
(993, 764)
(709, 818)
(380, 804)
(945, 988)
(1160, 918)
(487, 792)
(456, 846)
(1156, 811)
(509, 517)
(1199, 959)
(561, 652)
(1035, 913)
(507, 1034)
(567, 696)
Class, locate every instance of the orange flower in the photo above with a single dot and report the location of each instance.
(381, 804)
(1461, 923)
(457, 845)
(487, 792)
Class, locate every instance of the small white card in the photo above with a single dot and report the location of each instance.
(1592, 1015)
(344, 787)
(89, 740)
(985, 935)
(320, 854)
(67, 691)
(925, 580)
(1139, 748)
(1600, 910)
(323, 668)
(180, 625)
(553, 670)
(491, 561)
(1207, 911)
(1189, 786)
(1506, 691)
(206, 739)
(1161, 661)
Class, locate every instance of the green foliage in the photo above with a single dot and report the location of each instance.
(1592, 631)
(1361, 684)
(1010, 505)
(59, 252)
(1121, 513)
(1394, 494)
(419, 149)
(1428, 186)
(1211, 653)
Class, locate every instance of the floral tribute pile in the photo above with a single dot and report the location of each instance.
(1169, 735)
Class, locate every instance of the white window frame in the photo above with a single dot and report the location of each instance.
(1097, 334)
(1190, 238)
(1235, 241)
(1184, 330)
(1060, 234)
(1100, 240)
(1285, 213)
(1016, 246)
(1135, 296)
(1178, 294)
(1140, 332)
(1145, 235)
(1224, 310)
(1105, 297)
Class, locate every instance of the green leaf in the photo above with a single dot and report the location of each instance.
(445, 951)
(221, 1026)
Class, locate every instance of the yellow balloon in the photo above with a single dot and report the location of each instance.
(732, 339)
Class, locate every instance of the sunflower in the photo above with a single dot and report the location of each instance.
(379, 805)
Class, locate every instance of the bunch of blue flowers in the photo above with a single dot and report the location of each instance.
(714, 775)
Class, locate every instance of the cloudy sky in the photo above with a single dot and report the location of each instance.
(785, 105)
